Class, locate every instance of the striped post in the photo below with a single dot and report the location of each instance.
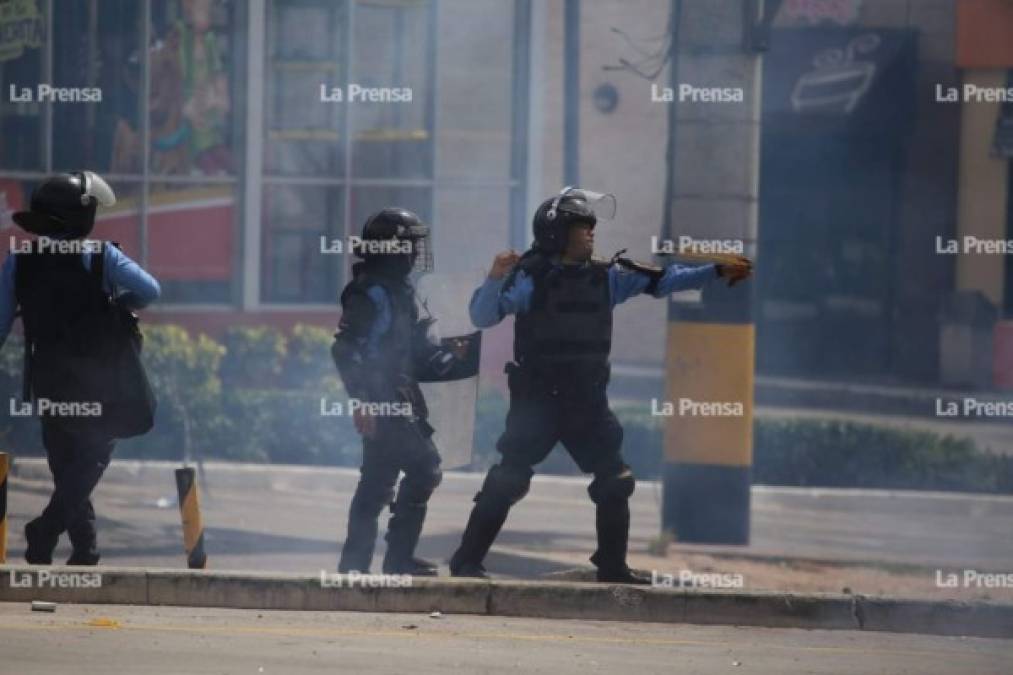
(193, 527)
(713, 189)
(4, 468)
(708, 459)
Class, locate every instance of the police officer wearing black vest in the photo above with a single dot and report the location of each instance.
(75, 297)
(563, 300)
(382, 351)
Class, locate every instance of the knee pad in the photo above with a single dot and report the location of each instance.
(417, 488)
(508, 483)
(615, 487)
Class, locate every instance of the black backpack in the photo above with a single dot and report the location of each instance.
(81, 347)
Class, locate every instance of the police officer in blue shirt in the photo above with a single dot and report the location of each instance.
(382, 351)
(54, 285)
(563, 301)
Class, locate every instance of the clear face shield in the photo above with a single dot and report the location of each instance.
(422, 258)
(602, 203)
(95, 186)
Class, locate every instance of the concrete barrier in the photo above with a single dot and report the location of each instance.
(560, 600)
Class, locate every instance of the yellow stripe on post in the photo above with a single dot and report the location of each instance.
(4, 470)
(193, 526)
(710, 356)
(711, 363)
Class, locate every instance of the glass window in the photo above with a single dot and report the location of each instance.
(297, 267)
(335, 71)
(101, 132)
(306, 45)
(193, 87)
(391, 100)
(23, 29)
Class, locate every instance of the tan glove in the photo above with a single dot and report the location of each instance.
(736, 270)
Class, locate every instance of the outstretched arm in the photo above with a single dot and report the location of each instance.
(626, 283)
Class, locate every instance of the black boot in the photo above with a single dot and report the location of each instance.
(624, 576)
(403, 532)
(84, 538)
(612, 521)
(41, 542)
(357, 552)
(484, 523)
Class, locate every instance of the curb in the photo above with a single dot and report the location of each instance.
(537, 599)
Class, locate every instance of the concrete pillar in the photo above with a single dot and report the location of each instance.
(710, 352)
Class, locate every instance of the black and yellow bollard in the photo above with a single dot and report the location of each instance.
(193, 527)
(710, 359)
(4, 470)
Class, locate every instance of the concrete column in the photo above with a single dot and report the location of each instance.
(710, 353)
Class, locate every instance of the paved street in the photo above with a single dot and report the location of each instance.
(156, 640)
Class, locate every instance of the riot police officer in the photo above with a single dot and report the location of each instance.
(68, 289)
(381, 348)
(563, 300)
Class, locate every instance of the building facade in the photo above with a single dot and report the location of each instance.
(245, 137)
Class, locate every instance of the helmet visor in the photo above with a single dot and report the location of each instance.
(95, 186)
(422, 262)
(602, 203)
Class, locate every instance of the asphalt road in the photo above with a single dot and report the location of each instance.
(293, 518)
(156, 640)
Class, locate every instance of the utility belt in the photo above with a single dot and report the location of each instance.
(579, 382)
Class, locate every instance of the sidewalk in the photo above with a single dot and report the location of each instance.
(557, 600)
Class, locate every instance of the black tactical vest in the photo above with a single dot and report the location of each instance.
(566, 334)
(79, 346)
(61, 301)
(396, 345)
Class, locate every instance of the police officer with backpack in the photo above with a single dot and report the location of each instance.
(82, 368)
(563, 300)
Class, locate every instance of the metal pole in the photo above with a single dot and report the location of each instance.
(571, 98)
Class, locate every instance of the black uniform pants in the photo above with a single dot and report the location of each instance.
(540, 416)
(399, 445)
(77, 459)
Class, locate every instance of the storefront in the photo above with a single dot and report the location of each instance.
(241, 135)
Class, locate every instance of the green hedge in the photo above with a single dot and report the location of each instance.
(845, 454)
(256, 397)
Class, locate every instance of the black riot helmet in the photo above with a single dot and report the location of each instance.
(572, 206)
(64, 205)
(395, 241)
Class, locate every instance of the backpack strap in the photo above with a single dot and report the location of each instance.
(98, 264)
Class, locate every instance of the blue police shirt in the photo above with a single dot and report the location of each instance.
(490, 303)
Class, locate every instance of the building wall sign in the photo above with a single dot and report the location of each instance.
(21, 28)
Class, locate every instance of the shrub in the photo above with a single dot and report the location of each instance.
(253, 356)
(308, 357)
